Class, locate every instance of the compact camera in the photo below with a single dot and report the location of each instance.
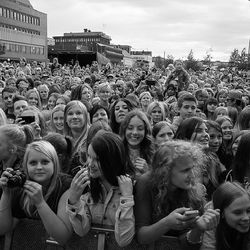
(17, 180)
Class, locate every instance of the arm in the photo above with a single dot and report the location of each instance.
(5, 204)
(57, 225)
(209, 242)
(124, 217)
(146, 231)
(125, 221)
(5, 213)
(79, 217)
(77, 208)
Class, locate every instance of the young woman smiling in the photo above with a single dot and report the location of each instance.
(232, 232)
(135, 132)
(76, 125)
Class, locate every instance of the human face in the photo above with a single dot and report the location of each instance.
(178, 65)
(40, 168)
(8, 99)
(44, 93)
(165, 134)
(33, 99)
(187, 109)
(182, 173)
(60, 101)
(190, 89)
(221, 113)
(93, 164)
(104, 94)
(201, 135)
(86, 94)
(135, 132)
(171, 92)
(58, 118)
(156, 114)
(51, 102)
(236, 144)
(237, 214)
(227, 133)
(222, 98)
(145, 100)
(211, 107)
(121, 109)
(19, 107)
(5, 152)
(75, 118)
(100, 114)
(215, 140)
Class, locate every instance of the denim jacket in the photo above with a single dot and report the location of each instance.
(116, 211)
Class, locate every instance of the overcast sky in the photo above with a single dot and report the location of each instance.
(173, 26)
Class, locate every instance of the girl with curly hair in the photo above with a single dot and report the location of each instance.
(169, 200)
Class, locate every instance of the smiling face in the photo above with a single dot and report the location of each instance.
(237, 214)
(135, 132)
(51, 102)
(93, 164)
(33, 99)
(40, 168)
(58, 119)
(75, 118)
(201, 135)
(215, 140)
(227, 132)
(236, 144)
(121, 109)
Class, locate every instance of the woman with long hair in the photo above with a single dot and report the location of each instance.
(195, 129)
(162, 131)
(232, 232)
(34, 99)
(135, 132)
(225, 152)
(157, 111)
(107, 184)
(42, 198)
(241, 162)
(118, 111)
(76, 125)
(159, 212)
(57, 119)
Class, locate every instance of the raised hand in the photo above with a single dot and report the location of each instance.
(126, 185)
(35, 191)
(78, 184)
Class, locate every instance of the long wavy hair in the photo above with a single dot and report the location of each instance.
(42, 147)
(226, 237)
(164, 160)
(146, 146)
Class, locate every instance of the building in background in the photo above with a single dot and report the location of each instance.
(85, 47)
(23, 31)
(143, 58)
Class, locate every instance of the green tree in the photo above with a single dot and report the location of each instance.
(191, 62)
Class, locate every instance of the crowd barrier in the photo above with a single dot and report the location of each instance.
(31, 235)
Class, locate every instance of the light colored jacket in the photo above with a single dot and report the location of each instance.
(115, 211)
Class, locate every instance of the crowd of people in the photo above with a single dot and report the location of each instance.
(144, 152)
